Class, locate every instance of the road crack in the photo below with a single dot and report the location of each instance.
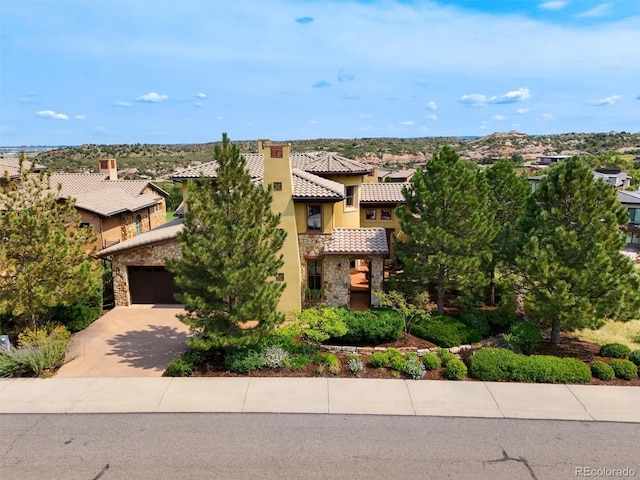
(507, 458)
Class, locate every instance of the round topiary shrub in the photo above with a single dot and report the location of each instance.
(455, 370)
(635, 357)
(624, 369)
(431, 361)
(379, 359)
(602, 370)
(615, 350)
(445, 356)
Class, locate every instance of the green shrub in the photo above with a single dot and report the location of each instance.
(81, 314)
(523, 337)
(445, 331)
(184, 364)
(321, 324)
(495, 364)
(624, 369)
(477, 321)
(379, 359)
(445, 356)
(244, 360)
(332, 362)
(372, 327)
(298, 362)
(455, 370)
(615, 350)
(40, 350)
(635, 357)
(602, 370)
(431, 361)
(413, 367)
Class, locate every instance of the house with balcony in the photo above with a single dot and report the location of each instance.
(334, 253)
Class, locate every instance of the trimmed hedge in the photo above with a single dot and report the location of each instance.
(602, 370)
(372, 327)
(615, 350)
(635, 357)
(624, 369)
(445, 331)
(455, 370)
(494, 364)
(431, 361)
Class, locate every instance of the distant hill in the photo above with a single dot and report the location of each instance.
(153, 161)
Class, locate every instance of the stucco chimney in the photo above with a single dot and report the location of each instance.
(108, 167)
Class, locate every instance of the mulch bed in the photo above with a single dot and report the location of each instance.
(568, 347)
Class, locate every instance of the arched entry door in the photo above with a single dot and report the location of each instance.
(360, 284)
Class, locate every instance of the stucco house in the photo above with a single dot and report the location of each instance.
(340, 225)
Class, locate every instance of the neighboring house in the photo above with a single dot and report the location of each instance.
(549, 159)
(614, 176)
(10, 167)
(333, 252)
(116, 209)
(631, 200)
(400, 176)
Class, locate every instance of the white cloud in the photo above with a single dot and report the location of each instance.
(120, 103)
(80, 117)
(498, 117)
(522, 111)
(606, 101)
(52, 114)
(480, 100)
(198, 104)
(431, 106)
(201, 95)
(408, 122)
(431, 117)
(152, 97)
(598, 11)
(553, 5)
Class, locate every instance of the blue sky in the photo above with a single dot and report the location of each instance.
(107, 71)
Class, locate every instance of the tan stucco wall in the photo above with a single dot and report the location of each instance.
(151, 255)
(328, 218)
(348, 217)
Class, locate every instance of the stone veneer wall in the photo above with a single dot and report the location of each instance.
(153, 255)
(335, 272)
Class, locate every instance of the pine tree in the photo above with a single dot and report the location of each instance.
(575, 275)
(449, 223)
(230, 256)
(508, 197)
(44, 253)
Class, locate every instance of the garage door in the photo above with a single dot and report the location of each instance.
(151, 285)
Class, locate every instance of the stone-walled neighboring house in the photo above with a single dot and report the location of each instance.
(116, 209)
(333, 253)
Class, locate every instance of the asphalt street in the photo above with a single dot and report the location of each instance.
(310, 446)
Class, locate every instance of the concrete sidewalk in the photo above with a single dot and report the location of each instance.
(321, 395)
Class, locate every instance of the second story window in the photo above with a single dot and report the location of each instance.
(350, 195)
(385, 214)
(634, 215)
(314, 218)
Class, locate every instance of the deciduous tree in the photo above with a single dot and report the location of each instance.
(230, 256)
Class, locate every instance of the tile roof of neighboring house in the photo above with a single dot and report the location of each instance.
(365, 241)
(165, 232)
(627, 197)
(12, 167)
(111, 201)
(73, 183)
(308, 186)
(312, 162)
(382, 193)
(400, 174)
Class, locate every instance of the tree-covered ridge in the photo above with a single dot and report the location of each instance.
(152, 160)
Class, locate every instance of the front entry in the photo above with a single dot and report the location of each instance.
(359, 285)
(151, 284)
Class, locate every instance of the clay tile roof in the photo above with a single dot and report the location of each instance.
(73, 183)
(329, 163)
(366, 241)
(382, 193)
(165, 232)
(11, 166)
(255, 165)
(309, 186)
(111, 201)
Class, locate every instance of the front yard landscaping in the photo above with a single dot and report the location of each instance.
(439, 348)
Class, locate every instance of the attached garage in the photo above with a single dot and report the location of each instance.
(151, 284)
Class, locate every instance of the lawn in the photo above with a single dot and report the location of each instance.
(627, 333)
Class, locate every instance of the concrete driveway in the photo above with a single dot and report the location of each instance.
(135, 341)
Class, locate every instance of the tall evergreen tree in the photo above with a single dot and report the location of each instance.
(230, 256)
(44, 253)
(508, 194)
(575, 275)
(449, 223)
